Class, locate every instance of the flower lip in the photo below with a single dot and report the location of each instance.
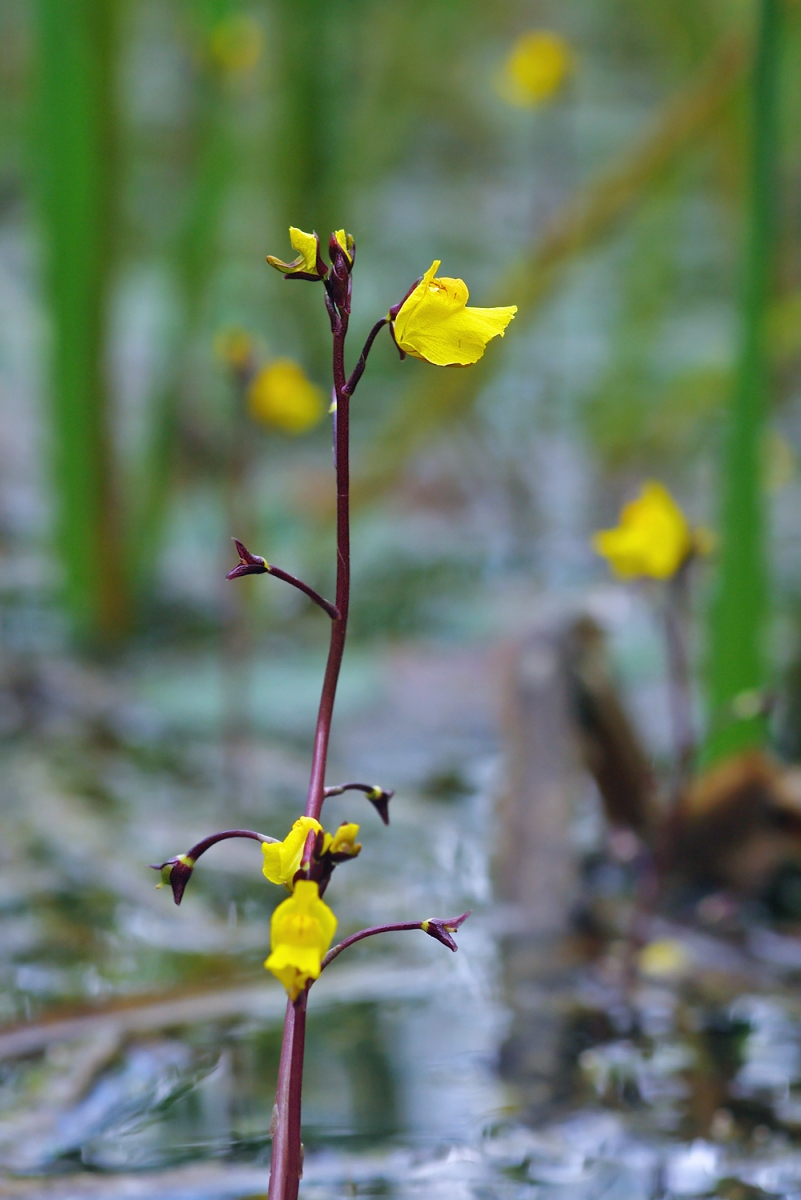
(309, 263)
(434, 322)
(301, 931)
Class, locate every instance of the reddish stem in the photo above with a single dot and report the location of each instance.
(365, 933)
(680, 681)
(286, 1162)
(339, 625)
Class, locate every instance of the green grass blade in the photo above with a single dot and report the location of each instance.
(737, 632)
(75, 164)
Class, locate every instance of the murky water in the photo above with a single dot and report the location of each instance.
(429, 1074)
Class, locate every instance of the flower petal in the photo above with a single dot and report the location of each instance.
(435, 324)
(306, 246)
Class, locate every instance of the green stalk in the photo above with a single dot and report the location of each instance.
(737, 633)
(75, 148)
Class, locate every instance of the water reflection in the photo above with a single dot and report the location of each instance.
(514, 1068)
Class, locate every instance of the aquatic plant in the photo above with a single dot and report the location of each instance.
(434, 323)
(654, 541)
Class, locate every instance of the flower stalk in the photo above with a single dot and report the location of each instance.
(431, 322)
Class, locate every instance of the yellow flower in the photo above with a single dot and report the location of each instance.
(282, 859)
(282, 395)
(652, 539)
(343, 841)
(301, 930)
(537, 66)
(235, 44)
(434, 324)
(308, 264)
(234, 347)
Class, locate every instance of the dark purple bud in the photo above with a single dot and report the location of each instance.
(379, 798)
(249, 564)
(176, 872)
(442, 930)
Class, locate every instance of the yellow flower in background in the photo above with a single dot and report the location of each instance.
(301, 930)
(343, 841)
(282, 395)
(235, 44)
(282, 859)
(434, 323)
(308, 263)
(234, 347)
(665, 959)
(653, 538)
(537, 66)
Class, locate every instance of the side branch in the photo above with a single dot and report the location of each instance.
(178, 871)
(437, 928)
(254, 564)
(379, 797)
(335, 951)
(358, 370)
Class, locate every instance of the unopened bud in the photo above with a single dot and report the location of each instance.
(249, 564)
(176, 872)
(380, 798)
(443, 929)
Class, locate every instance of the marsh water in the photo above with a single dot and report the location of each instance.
(140, 1041)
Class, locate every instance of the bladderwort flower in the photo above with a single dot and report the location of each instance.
(309, 263)
(282, 395)
(301, 930)
(434, 323)
(282, 859)
(536, 68)
(653, 539)
(342, 844)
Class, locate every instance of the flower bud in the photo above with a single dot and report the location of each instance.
(380, 798)
(342, 845)
(341, 249)
(249, 564)
(442, 929)
(176, 872)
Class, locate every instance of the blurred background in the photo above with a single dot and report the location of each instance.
(628, 175)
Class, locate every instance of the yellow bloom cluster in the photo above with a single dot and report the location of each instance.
(653, 539)
(303, 926)
(435, 324)
(301, 931)
(282, 395)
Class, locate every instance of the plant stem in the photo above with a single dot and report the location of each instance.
(286, 1162)
(680, 684)
(330, 609)
(737, 621)
(339, 625)
(214, 838)
(399, 927)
